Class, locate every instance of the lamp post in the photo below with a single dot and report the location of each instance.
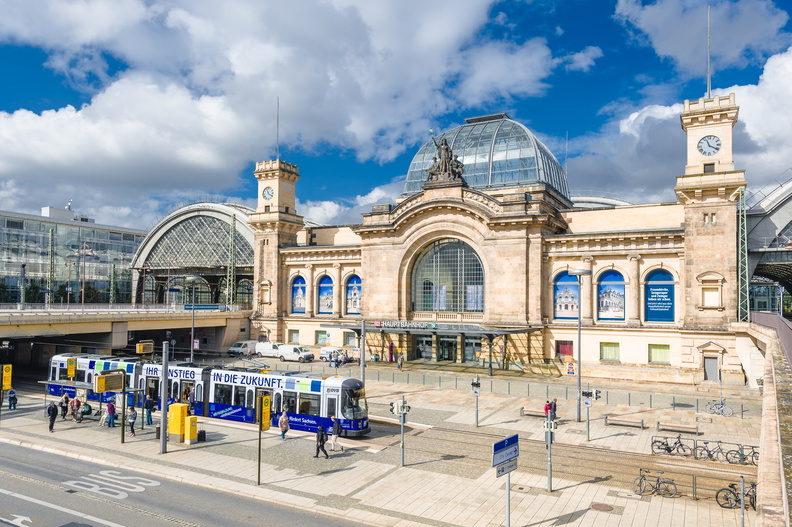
(192, 279)
(84, 250)
(68, 282)
(579, 273)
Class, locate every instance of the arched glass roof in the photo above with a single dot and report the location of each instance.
(496, 152)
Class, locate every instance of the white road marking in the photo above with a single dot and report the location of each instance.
(60, 509)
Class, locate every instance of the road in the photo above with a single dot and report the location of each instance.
(39, 489)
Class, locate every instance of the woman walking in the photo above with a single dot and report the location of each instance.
(64, 405)
(283, 424)
(131, 418)
(321, 438)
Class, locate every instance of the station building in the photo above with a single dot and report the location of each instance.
(486, 259)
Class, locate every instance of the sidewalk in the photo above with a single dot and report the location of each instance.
(365, 483)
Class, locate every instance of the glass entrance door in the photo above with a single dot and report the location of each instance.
(472, 349)
(446, 348)
(423, 347)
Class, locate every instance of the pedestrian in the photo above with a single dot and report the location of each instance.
(547, 408)
(283, 424)
(400, 361)
(111, 413)
(553, 408)
(191, 400)
(74, 408)
(103, 419)
(52, 413)
(149, 407)
(12, 399)
(131, 418)
(321, 438)
(64, 405)
(335, 432)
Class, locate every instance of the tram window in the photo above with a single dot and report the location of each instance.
(63, 373)
(276, 404)
(331, 406)
(199, 392)
(310, 404)
(53, 373)
(290, 402)
(222, 394)
(239, 396)
(80, 375)
(353, 404)
(249, 401)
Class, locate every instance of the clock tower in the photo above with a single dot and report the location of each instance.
(709, 191)
(275, 225)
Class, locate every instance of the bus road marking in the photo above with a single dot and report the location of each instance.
(57, 508)
(111, 484)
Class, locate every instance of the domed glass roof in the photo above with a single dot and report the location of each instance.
(496, 152)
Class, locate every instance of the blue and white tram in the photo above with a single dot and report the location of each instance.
(86, 367)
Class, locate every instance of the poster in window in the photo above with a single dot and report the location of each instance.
(611, 301)
(298, 297)
(353, 296)
(326, 298)
(566, 300)
(659, 302)
(439, 298)
(474, 299)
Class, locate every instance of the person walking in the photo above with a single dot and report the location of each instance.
(547, 408)
(400, 361)
(131, 418)
(321, 438)
(283, 424)
(111, 413)
(148, 406)
(64, 405)
(12, 399)
(52, 413)
(335, 432)
(553, 408)
(74, 408)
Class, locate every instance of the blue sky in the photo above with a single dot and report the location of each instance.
(133, 107)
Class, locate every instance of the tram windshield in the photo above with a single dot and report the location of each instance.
(353, 403)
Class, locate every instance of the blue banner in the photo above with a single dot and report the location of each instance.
(659, 303)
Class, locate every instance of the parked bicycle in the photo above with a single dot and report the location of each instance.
(705, 452)
(661, 446)
(719, 407)
(663, 486)
(730, 498)
(740, 456)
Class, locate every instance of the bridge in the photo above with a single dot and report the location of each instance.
(32, 331)
(769, 227)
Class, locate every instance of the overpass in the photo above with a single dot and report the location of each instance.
(30, 334)
(769, 229)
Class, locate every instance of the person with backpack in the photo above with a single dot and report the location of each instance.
(12, 399)
(321, 438)
(149, 407)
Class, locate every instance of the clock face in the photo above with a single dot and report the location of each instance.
(267, 193)
(709, 145)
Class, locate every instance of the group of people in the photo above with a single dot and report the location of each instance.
(550, 409)
(76, 408)
(321, 435)
(339, 359)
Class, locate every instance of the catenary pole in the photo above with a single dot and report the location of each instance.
(164, 399)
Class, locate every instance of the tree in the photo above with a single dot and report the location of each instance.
(92, 295)
(5, 295)
(33, 294)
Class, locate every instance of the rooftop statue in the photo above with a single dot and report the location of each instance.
(446, 166)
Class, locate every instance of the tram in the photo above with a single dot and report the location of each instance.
(309, 399)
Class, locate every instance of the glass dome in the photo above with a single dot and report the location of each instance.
(497, 153)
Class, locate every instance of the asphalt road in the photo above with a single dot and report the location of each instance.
(39, 489)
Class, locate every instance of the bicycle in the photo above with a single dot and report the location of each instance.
(739, 457)
(661, 446)
(705, 452)
(729, 498)
(719, 407)
(663, 486)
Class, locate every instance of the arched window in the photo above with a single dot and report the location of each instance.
(448, 276)
(610, 296)
(325, 296)
(659, 296)
(298, 295)
(566, 296)
(354, 292)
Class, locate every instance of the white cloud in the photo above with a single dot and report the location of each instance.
(742, 31)
(335, 213)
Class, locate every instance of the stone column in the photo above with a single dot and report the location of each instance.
(633, 291)
(586, 292)
(434, 348)
(310, 286)
(460, 348)
(536, 282)
(337, 288)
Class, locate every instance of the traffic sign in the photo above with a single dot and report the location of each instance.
(476, 391)
(505, 468)
(505, 450)
(587, 402)
(570, 368)
(509, 441)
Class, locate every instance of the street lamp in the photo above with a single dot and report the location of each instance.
(579, 273)
(84, 250)
(70, 265)
(192, 279)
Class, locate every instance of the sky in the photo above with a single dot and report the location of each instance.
(132, 108)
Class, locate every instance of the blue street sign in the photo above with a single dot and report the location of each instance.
(47, 291)
(505, 450)
(201, 307)
(174, 290)
(509, 441)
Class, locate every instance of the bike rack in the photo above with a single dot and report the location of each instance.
(694, 479)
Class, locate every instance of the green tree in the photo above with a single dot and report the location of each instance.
(92, 295)
(33, 294)
(5, 295)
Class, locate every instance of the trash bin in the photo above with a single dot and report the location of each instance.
(157, 431)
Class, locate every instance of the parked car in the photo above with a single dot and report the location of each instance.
(295, 353)
(243, 347)
(268, 349)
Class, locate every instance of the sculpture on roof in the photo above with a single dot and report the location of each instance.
(446, 166)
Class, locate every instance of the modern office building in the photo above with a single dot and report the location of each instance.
(486, 259)
(60, 251)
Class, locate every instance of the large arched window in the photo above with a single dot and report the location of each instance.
(659, 296)
(448, 276)
(325, 295)
(298, 295)
(566, 296)
(354, 291)
(610, 296)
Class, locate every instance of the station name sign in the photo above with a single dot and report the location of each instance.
(404, 324)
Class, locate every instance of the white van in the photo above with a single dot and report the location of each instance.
(327, 351)
(242, 348)
(293, 352)
(268, 349)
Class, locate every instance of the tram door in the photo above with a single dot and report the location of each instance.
(152, 388)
